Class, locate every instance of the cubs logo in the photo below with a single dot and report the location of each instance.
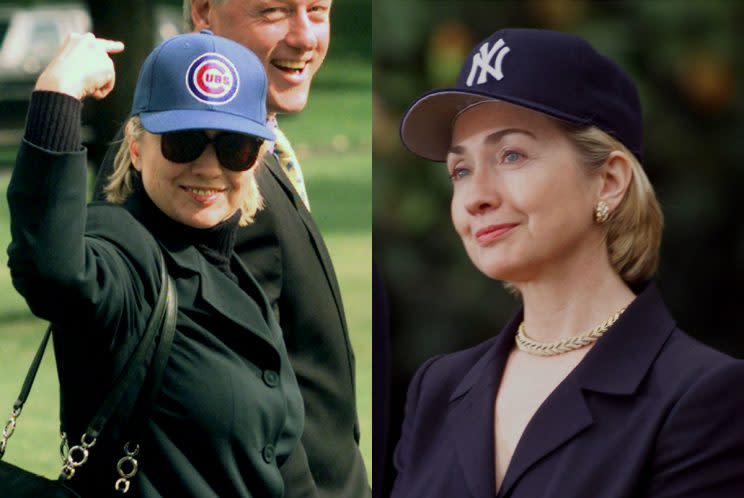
(212, 79)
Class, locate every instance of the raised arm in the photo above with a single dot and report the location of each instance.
(64, 275)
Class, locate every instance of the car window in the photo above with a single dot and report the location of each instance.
(4, 24)
(45, 39)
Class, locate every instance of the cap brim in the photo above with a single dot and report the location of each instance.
(180, 120)
(426, 127)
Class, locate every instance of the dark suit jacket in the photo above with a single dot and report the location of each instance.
(285, 252)
(229, 410)
(649, 412)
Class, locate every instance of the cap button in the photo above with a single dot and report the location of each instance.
(206, 32)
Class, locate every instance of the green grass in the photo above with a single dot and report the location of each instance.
(35, 445)
(333, 138)
(333, 141)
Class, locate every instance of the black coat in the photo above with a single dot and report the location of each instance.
(285, 252)
(229, 411)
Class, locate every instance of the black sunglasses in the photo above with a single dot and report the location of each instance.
(235, 151)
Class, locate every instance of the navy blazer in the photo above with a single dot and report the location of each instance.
(649, 412)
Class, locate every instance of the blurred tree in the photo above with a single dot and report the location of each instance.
(132, 22)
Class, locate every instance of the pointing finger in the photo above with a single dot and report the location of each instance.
(110, 46)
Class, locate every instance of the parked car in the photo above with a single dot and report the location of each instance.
(29, 38)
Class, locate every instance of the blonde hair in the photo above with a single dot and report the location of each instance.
(633, 230)
(120, 183)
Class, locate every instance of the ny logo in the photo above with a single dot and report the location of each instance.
(482, 60)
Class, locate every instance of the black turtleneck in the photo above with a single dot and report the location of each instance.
(216, 243)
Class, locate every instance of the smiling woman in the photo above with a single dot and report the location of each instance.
(591, 389)
(218, 182)
(515, 167)
(183, 184)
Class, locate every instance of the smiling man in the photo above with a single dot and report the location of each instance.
(290, 37)
(284, 249)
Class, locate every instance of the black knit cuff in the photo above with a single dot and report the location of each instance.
(53, 121)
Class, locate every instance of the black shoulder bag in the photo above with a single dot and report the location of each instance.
(155, 344)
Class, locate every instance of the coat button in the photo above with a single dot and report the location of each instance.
(271, 378)
(268, 453)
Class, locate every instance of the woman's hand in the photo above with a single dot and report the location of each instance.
(82, 67)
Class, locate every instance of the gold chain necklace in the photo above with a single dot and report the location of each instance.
(573, 343)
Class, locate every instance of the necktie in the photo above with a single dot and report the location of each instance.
(290, 164)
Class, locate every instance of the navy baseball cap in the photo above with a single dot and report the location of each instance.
(201, 81)
(555, 73)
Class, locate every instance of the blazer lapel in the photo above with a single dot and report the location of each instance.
(616, 365)
(227, 298)
(619, 361)
(221, 293)
(470, 415)
(272, 164)
(562, 416)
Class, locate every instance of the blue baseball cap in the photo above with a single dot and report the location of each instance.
(202, 81)
(555, 73)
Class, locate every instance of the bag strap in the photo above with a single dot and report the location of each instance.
(128, 465)
(166, 304)
(161, 321)
(31, 375)
(127, 379)
(154, 379)
(25, 390)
